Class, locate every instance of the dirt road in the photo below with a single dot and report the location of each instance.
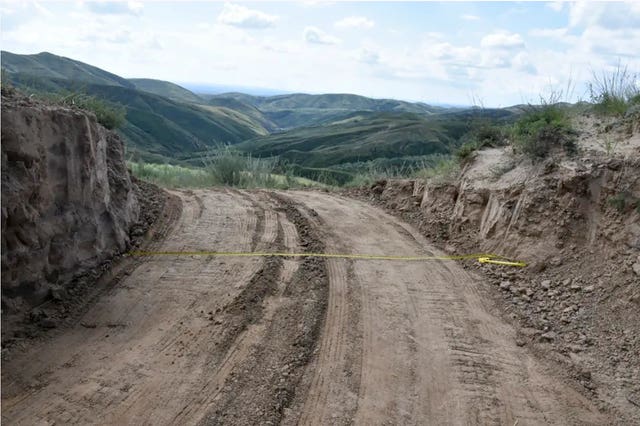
(224, 340)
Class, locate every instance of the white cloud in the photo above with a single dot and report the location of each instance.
(558, 33)
(468, 17)
(355, 22)
(521, 62)
(240, 16)
(610, 15)
(502, 40)
(556, 6)
(115, 7)
(317, 36)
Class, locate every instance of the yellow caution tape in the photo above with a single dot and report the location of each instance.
(501, 262)
(482, 257)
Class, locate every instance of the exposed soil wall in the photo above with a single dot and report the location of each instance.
(67, 200)
(577, 224)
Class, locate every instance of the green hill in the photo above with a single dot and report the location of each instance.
(49, 66)
(156, 127)
(361, 137)
(166, 89)
(316, 132)
(301, 110)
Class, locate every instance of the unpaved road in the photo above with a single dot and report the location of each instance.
(246, 340)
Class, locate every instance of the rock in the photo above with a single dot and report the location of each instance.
(48, 323)
(556, 261)
(546, 284)
(58, 294)
(549, 336)
(505, 285)
(636, 268)
(589, 288)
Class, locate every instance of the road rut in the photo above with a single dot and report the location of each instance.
(219, 340)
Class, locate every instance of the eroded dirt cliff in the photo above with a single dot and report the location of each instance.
(68, 203)
(576, 222)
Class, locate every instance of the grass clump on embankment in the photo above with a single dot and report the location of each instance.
(613, 93)
(110, 115)
(542, 129)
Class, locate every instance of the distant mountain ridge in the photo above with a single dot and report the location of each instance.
(46, 65)
(165, 121)
(166, 89)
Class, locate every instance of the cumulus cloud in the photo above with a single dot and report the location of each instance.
(468, 17)
(115, 7)
(315, 35)
(243, 17)
(355, 22)
(502, 40)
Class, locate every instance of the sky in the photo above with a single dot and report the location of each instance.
(484, 53)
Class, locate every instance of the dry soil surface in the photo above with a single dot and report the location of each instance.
(264, 340)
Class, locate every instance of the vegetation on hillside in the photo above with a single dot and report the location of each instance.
(110, 115)
(613, 93)
(543, 129)
(333, 139)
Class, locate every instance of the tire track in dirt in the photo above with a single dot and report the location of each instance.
(432, 353)
(276, 363)
(213, 340)
(334, 383)
(150, 345)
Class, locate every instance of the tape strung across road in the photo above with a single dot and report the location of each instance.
(481, 257)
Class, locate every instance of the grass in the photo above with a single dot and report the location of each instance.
(613, 93)
(222, 167)
(623, 201)
(482, 135)
(110, 115)
(171, 176)
(227, 166)
(445, 170)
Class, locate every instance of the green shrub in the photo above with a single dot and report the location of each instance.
(623, 200)
(612, 93)
(483, 134)
(5, 81)
(542, 129)
(227, 166)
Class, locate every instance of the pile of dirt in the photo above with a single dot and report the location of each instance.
(576, 222)
(69, 208)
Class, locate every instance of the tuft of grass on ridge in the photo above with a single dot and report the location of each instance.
(614, 92)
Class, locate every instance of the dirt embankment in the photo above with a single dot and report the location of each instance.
(68, 204)
(576, 222)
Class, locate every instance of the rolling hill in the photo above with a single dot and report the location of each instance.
(157, 127)
(361, 137)
(300, 110)
(165, 121)
(47, 66)
(166, 89)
